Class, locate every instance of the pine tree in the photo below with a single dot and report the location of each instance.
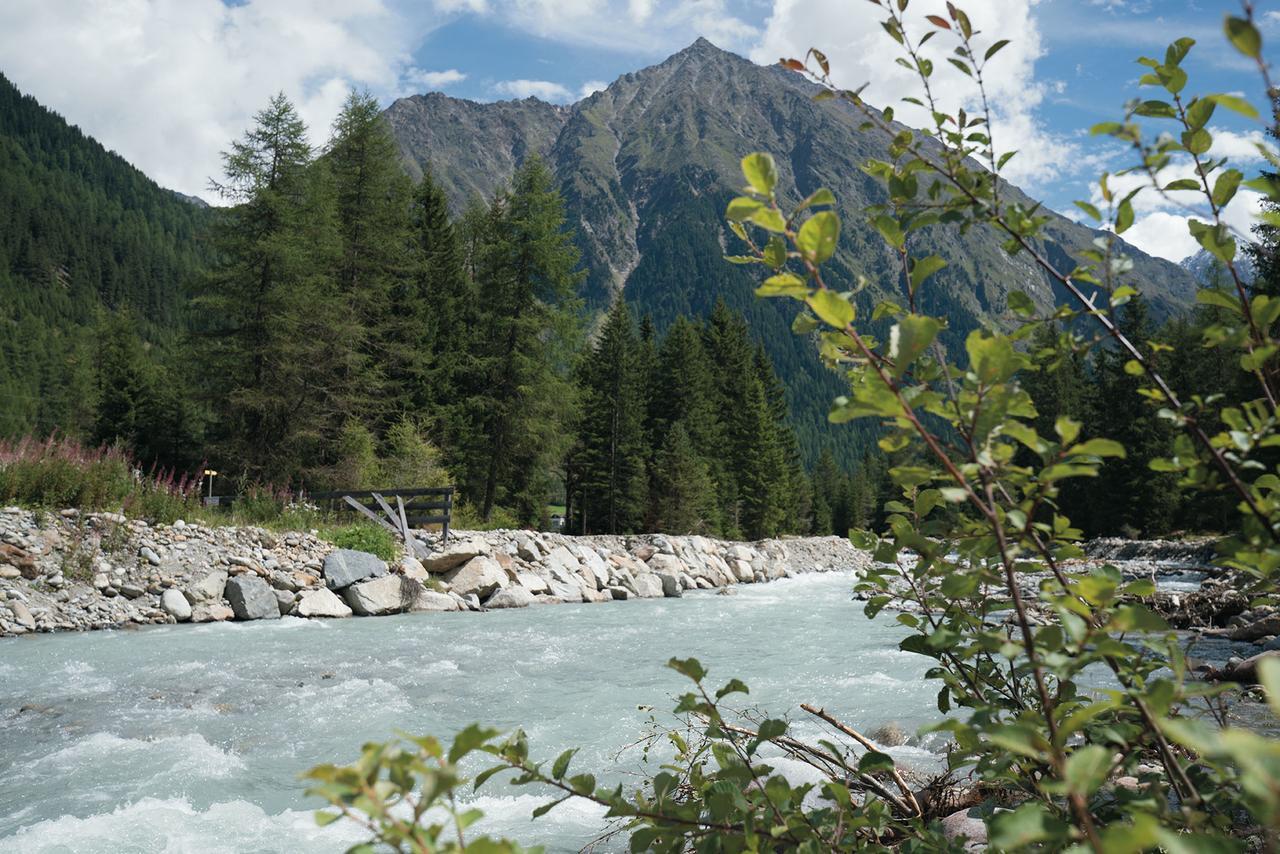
(827, 486)
(611, 460)
(123, 382)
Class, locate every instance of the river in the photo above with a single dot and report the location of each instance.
(191, 738)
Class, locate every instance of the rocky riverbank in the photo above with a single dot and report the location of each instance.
(70, 571)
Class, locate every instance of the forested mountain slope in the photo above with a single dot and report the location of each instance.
(648, 164)
(80, 230)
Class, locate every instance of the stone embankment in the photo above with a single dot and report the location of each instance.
(72, 572)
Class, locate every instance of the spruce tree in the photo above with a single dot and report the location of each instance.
(611, 459)
(683, 491)
(519, 398)
(827, 488)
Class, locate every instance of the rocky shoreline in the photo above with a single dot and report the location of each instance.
(73, 571)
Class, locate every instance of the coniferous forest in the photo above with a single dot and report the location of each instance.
(335, 325)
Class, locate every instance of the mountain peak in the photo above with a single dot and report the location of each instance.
(702, 48)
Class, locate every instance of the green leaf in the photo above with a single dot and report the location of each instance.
(821, 196)
(995, 48)
(818, 236)
(469, 739)
(909, 338)
(874, 760)
(775, 252)
(1269, 679)
(1221, 299)
(1067, 429)
(760, 172)
(562, 764)
(1124, 216)
(548, 807)
(1086, 769)
(783, 285)
(1182, 184)
(1028, 824)
(690, 667)
(1099, 448)
(769, 218)
(833, 308)
(923, 268)
(1244, 36)
(742, 208)
(1236, 104)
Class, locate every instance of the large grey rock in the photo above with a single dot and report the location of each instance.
(284, 600)
(345, 567)
(648, 586)
(511, 597)
(411, 567)
(321, 602)
(251, 598)
(175, 604)
(389, 594)
(456, 554)
(208, 589)
(481, 575)
(532, 582)
(22, 615)
(663, 562)
(434, 600)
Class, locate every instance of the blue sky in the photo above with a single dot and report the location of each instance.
(168, 83)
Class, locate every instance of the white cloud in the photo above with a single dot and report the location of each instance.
(591, 87)
(542, 89)
(1240, 148)
(860, 52)
(169, 83)
(1160, 222)
(419, 79)
(631, 26)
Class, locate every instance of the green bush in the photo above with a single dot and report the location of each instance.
(1050, 694)
(364, 537)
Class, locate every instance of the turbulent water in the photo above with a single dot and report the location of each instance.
(183, 739)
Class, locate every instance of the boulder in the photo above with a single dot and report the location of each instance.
(282, 580)
(663, 562)
(433, 600)
(456, 554)
(596, 566)
(648, 585)
(130, 590)
(212, 612)
(529, 549)
(511, 597)
(670, 584)
(963, 825)
(566, 589)
(742, 570)
(321, 602)
(22, 615)
(251, 598)
(208, 589)
(531, 581)
(1272, 645)
(344, 567)
(620, 594)
(481, 575)
(175, 604)
(411, 567)
(1255, 629)
(389, 594)
(644, 552)
(284, 600)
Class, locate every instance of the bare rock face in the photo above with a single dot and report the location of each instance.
(389, 594)
(321, 602)
(251, 598)
(481, 575)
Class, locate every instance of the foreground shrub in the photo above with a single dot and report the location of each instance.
(61, 472)
(1050, 692)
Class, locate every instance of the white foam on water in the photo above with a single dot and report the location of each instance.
(175, 826)
(180, 758)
